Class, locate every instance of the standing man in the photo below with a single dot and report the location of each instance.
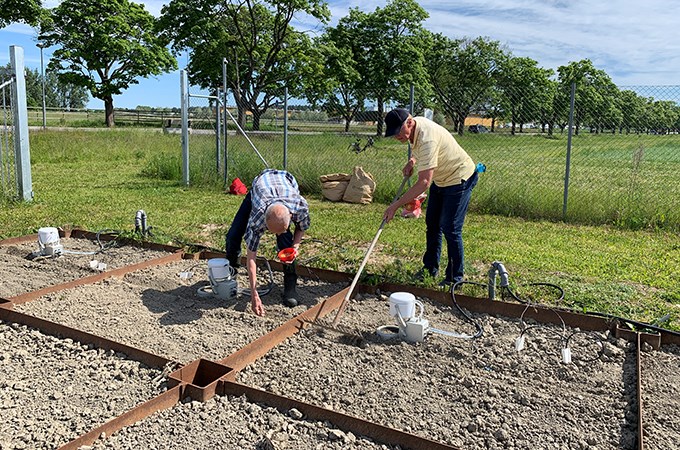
(272, 204)
(450, 173)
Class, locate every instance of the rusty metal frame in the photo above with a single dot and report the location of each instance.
(202, 379)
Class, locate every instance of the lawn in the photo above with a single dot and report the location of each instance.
(97, 180)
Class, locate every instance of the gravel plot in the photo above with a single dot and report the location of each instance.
(660, 403)
(154, 309)
(21, 274)
(232, 423)
(53, 390)
(479, 394)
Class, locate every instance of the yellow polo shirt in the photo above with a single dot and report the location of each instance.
(434, 147)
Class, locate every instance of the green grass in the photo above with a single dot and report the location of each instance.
(98, 180)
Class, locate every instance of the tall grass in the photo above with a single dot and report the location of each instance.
(621, 180)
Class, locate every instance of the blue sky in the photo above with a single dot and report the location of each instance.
(636, 43)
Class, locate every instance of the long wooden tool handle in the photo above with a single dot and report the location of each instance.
(343, 305)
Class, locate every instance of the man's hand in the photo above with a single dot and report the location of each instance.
(256, 304)
(408, 167)
(390, 212)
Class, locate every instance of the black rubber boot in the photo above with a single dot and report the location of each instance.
(290, 297)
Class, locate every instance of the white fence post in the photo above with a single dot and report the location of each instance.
(184, 86)
(21, 142)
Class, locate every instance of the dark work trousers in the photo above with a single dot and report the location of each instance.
(446, 210)
(238, 229)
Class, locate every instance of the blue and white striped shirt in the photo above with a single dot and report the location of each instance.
(269, 187)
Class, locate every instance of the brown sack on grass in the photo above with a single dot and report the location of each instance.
(334, 190)
(360, 188)
(335, 177)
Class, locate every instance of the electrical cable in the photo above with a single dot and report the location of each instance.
(468, 317)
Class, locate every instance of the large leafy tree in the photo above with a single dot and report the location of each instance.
(387, 50)
(463, 73)
(524, 89)
(396, 43)
(104, 46)
(265, 53)
(25, 11)
(595, 101)
(344, 59)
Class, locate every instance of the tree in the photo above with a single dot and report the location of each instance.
(524, 89)
(343, 56)
(462, 73)
(104, 46)
(26, 11)
(596, 94)
(265, 54)
(395, 43)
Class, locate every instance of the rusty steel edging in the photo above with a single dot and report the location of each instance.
(345, 422)
(83, 337)
(638, 363)
(161, 402)
(259, 347)
(30, 296)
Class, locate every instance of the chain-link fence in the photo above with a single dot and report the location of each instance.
(612, 158)
(8, 175)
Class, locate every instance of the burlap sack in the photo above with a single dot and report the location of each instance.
(334, 190)
(360, 188)
(333, 185)
(335, 177)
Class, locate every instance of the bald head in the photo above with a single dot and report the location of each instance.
(277, 218)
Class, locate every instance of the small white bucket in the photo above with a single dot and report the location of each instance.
(404, 304)
(218, 269)
(48, 236)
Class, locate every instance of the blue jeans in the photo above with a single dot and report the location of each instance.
(238, 229)
(446, 210)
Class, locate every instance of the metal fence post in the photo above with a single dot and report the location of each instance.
(21, 143)
(225, 91)
(184, 98)
(285, 128)
(218, 132)
(411, 101)
(568, 162)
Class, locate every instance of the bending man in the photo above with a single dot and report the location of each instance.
(272, 204)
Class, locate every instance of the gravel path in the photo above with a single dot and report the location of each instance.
(53, 390)
(479, 394)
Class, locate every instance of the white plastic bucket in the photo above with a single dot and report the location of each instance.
(405, 303)
(48, 235)
(218, 269)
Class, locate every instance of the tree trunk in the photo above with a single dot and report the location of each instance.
(108, 108)
(381, 109)
(256, 119)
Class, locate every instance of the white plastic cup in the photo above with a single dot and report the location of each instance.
(404, 304)
(218, 269)
(48, 235)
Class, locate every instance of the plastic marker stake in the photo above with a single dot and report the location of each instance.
(519, 344)
(566, 355)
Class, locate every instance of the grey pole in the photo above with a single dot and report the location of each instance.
(225, 91)
(184, 96)
(285, 128)
(218, 131)
(568, 163)
(42, 71)
(22, 152)
(410, 109)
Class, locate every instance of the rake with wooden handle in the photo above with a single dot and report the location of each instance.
(343, 305)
